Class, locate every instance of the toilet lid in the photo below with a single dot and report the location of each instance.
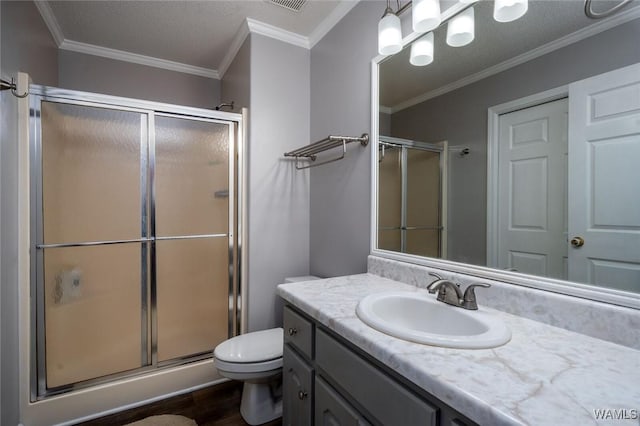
(257, 346)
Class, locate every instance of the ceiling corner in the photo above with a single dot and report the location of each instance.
(234, 48)
(50, 20)
(277, 33)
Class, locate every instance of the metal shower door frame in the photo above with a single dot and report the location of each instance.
(148, 111)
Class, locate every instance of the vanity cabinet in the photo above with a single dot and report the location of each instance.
(329, 381)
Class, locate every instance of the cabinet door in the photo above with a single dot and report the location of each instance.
(297, 389)
(332, 410)
(383, 398)
(298, 332)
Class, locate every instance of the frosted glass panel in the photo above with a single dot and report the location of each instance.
(390, 239)
(193, 295)
(192, 177)
(390, 189)
(423, 202)
(90, 173)
(423, 188)
(423, 242)
(92, 311)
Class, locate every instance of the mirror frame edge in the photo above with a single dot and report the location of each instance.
(567, 288)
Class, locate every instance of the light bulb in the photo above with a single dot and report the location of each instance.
(461, 29)
(509, 10)
(389, 34)
(422, 51)
(425, 15)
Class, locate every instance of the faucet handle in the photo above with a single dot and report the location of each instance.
(433, 274)
(469, 298)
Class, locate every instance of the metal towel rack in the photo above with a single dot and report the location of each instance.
(309, 152)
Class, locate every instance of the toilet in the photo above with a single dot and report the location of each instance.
(256, 359)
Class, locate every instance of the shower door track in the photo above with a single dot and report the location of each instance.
(149, 356)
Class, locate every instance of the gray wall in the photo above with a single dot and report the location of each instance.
(27, 46)
(236, 82)
(278, 205)
(90, 73)
(384, 124)
(461, 118)
(341, 104)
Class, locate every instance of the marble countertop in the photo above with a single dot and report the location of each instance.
(545, 375)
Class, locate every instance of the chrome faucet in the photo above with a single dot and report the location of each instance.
(450, 293)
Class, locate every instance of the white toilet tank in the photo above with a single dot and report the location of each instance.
(302, 278)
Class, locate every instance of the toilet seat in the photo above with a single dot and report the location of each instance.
(248, 367)
(254, 352)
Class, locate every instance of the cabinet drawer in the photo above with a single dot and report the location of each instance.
(385, 399)
(298, 332)
(297, 388)
(332, 410)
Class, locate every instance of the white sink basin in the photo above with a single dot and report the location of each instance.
(422, 319)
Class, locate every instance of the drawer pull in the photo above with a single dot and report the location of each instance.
(302, 395)
(292, 331)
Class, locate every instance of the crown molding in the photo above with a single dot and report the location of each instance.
(331, 21)
(50, 21)
(234, 48)
(248, 26)
(385, 109)
(274, 32)
(121, 55)
(567, 40)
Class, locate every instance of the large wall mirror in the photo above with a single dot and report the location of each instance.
(517, 156)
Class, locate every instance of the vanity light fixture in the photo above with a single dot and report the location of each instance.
(425, 15)
(389, 32)
(509, 10)
(461, 29)
(422, 51)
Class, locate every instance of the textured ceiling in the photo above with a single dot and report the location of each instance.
(192, 32)
(494, 43)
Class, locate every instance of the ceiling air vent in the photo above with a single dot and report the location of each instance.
(295, 5)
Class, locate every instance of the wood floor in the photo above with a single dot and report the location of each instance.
(213, 406)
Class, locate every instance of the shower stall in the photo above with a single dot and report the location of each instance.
(135, 254)
(412, 196)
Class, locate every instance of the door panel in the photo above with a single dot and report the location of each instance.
(90, 173)
(192, 177)
(532, 190)
(604, 199)
(390, 199)
(92, 311)
(193, 295)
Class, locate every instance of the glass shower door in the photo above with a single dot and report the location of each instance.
(410, 197)
(135, 262)
(390, 205)
(90, 242)
(193, 245)
(423, 202)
